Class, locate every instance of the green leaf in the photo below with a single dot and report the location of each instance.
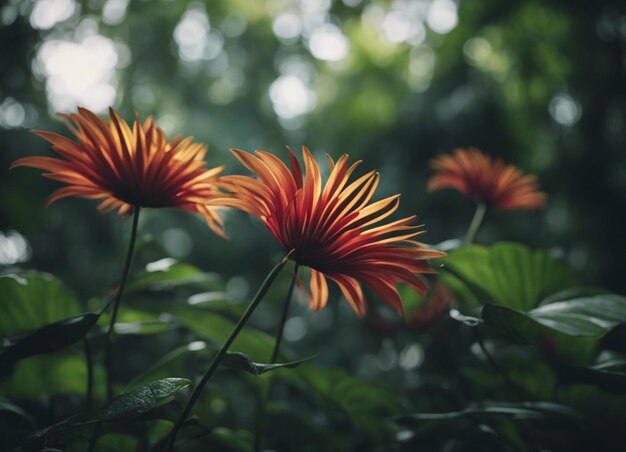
(591, 317)
(364, 403)
(241, 361)
(168, 274)
(609, 375)
(31, 300)
(570, 328)
(131, 406)
(509, 274)
(47, 339)
(574, 292)
(139, 401)
(144, 326)
(216, 328)
(46, 375)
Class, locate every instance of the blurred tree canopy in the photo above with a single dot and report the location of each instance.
(538, 83)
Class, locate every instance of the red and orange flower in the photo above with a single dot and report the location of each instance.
(333, 229)
(486, 181)
(129, 168)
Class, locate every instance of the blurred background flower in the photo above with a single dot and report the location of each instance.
(486, 181)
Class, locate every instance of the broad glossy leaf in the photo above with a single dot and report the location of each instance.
(31, 300)
(523, 328)
(167, 274)
(47, 339)
(591, 316)
(241, 361)
(510, 274)
(571, 328)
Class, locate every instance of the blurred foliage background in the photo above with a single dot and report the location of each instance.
(540, 84)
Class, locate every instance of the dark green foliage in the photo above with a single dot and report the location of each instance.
(530, 356)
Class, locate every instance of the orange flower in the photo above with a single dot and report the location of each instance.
(332, 229)
(127, 168)
(493, 183)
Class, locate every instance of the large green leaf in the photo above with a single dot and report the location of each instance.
(47, 339)
(570, 328)
(31, 300)
(509, 274)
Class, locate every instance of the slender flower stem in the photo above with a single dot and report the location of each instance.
(89, 363)
(477, 221)
(117, 301)
(283, 318)
(279, 336)
(220, 354)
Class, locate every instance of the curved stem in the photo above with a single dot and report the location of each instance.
(117, 301)
(220, 354)
(477, 221)
(274, 357)
(283, 318)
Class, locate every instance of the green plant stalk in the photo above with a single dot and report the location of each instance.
(89, 363)
(279, 336)
(220, 354)
(283, 318)
(116, 303)
(477, 221)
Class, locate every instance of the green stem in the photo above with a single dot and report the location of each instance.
(283, 318)
(117, 301)
(89, 362)
(274, 357)
(220, 354)
(477, 221)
